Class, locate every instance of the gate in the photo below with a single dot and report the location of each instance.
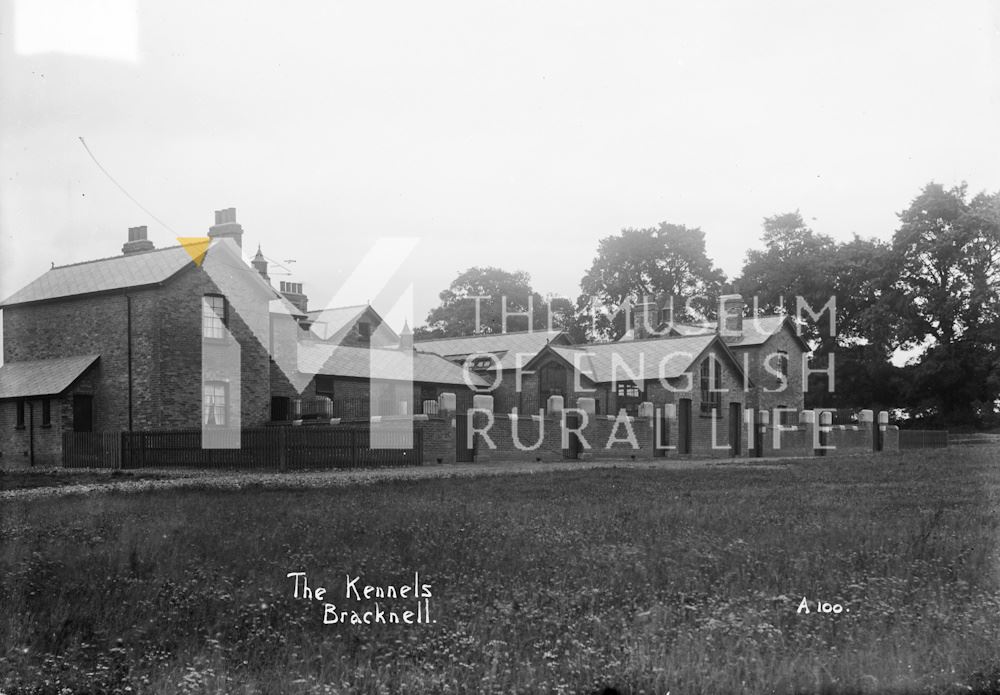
(575, 447)
(463, 452)
(662, 433)
(684, 426)
(735, 429)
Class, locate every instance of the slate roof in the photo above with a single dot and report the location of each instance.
(333, 324)
(505, 346)
(106, 274)
(756, 330)
(42, 377)
(362, 362)
(641, 357)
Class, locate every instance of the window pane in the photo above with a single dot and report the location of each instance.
(214, 404)
(213, 313)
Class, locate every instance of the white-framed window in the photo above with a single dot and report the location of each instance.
(215, 404)
(214, 317)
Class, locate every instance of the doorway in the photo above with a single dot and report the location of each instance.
(735, 428)
(684, 426)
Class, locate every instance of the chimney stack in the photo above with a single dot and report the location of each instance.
(292, 291)
(644, 319)
(137, 241)
(227, 226)
(731, 316)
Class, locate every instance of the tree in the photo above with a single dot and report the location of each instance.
(798, 263)
(456, 314)
(665, 261)
(948, 249)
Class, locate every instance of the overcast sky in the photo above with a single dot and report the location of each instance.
(513, 134)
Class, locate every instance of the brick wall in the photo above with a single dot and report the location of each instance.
(15, 443)
(166, 351)
(767, 391)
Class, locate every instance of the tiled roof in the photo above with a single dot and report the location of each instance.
(360, 362)
(696, 329)
(644, 358)
(756, 330)
(118, 272)
(41, 377)
(333, 324)
(505, 346)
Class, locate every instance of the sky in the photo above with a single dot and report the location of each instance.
(513, 134)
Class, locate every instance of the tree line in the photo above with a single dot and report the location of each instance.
(932, 291)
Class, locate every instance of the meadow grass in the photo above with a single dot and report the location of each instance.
(640, 580)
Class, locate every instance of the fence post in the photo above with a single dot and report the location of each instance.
(354, 448)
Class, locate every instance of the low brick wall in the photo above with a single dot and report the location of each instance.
(536, 438)
(849, 439)
(616, 439)
(890, 439)
(518, 438)
(438, 439)
(788, 440)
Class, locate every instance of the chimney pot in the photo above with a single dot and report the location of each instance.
(137, 241)
(227, 226)
(644, 319)
(731, 315)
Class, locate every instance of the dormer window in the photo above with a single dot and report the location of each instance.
(214, 317)
(482, 363)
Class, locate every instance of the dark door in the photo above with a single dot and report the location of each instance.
(573, 422)
(760, 431)
(463, 452)
(735, 428)
(662, 433)
(83, 413)
(551, 382)
(684, 426)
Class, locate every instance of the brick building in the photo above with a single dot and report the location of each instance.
(496, 357)
(769, 349)
(698, 375)
(183, 337)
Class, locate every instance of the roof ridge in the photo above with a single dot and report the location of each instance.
(121, 255)
(642, 340)
(485, 335)
(338, 308)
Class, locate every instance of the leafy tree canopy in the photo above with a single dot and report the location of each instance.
(668, 261)
(456, 315)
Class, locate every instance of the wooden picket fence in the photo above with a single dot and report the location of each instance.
(265, 448)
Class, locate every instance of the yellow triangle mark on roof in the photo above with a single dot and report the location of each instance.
(196, 246)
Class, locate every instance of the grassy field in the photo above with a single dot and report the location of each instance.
(30, 478)
(639, 580)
